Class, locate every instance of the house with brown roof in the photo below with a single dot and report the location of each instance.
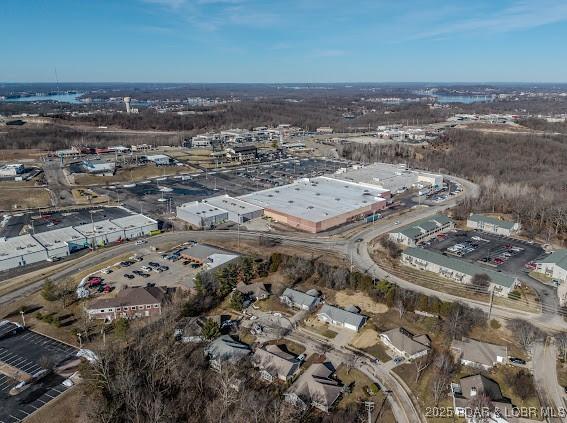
(315, 387)
(275, 363)
(477, 396)
(131, 303)
(473, 353)
(405, 343)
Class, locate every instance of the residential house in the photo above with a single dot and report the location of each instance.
(225, 349)
(130, 303)
(301, 300)
(344, 318)
(492, 224)
(315, 387)
(475, 353)
(275, 363)
(254, 291)
(405, 343)
(465, 400)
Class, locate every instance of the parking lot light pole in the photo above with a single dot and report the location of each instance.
(23, 318)
(80, 340)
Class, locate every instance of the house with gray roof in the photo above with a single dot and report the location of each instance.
(316, 387)
(301, 300)
(466, 392)
(341, 318)
(457, 270)
(225, 349)
(473, 353)
(422, 230)
(492, 224)
(404, 343)
(275, 363)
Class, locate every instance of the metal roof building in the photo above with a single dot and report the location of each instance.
(239, 211)
(318, 204)
(101, 233)
(20, 251)
(457, 270)
(202, 215)
(61, 242)
(136, 225)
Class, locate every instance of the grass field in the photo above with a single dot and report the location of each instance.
(16, 199)
(66, 408)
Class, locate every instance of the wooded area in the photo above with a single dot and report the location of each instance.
(521, 175)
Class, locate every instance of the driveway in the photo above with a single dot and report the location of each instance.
(545, 375)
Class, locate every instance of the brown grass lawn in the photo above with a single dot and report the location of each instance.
(292, 347)
(321, 328)
(67, 408)
(14, 198)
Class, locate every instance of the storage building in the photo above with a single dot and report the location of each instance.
(422, 230)
(159, 159)
(136, 225)
(202, 215)
(60, 243)
(101, 233)
(239, 211)
(20, 251)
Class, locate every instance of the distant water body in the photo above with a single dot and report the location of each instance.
(466, 99)
(60, 98)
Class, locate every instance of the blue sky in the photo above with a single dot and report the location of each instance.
(284, 40)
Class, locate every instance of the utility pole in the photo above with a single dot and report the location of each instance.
(369, 405)
(238, 229)
(23, 318)
(491, 300)
(80, 340)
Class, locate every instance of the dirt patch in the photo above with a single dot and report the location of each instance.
(365, 339)
(12, 198)
(360, 299)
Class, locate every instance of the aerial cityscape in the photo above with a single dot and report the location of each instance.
(209, 214)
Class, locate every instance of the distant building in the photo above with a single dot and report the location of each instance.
(242, 153)
(159, 159)
(12, 170)
(422, 230)
(343, 318)
(131, 303)
(101, 167)
(71, 152)
(492, 225)
(324, 130)
(406, 344)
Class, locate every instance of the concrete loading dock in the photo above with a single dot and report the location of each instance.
(318, 204)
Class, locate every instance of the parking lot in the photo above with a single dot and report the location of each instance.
(24, 351)
(161, 195)
(145, 267)
(43, 222)
(497, 252)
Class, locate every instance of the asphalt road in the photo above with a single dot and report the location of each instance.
(57, 183)
(545, 375)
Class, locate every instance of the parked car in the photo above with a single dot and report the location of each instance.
(146, 268)
(129, 276)
(140, 241)
(518, 361)
(153, 264)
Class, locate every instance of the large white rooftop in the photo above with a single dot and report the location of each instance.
(100, 228)
(58, 237)
(201, 209)
(232, 205)
(316, 199)
(133, 221)
(388, 176)
(18, 246)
